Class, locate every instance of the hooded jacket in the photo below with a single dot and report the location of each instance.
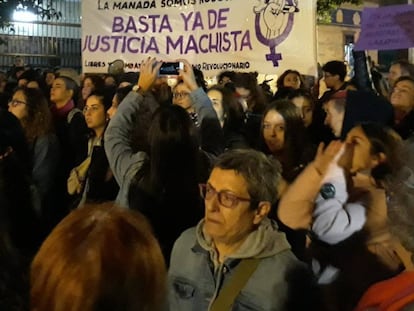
(196, 277)
(362, 106)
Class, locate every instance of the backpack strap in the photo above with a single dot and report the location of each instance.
(232, 288)
(71, 114)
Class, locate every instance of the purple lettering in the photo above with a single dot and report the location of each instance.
(154, 21)
(118, 24)
(198, 22)
(152, 46)
(178, 43)
(130, 47)
(205, 50)
(165, 24)
(105, 46)
(131, 25)
(245, 42)
(191, 45)
(143, 21)
(186, 20)
(222, 19)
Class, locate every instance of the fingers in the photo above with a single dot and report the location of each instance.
(148, 72)
(150, 65)
(320, 149)
(187, 75)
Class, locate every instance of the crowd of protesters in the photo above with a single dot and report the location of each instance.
(126, 192)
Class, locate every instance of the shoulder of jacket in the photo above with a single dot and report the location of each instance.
(71, 114)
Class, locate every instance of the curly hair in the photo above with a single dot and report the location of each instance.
(38, 121)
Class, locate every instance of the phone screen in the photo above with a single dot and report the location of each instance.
(170, 68)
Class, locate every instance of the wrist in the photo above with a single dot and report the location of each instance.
(318, 169)
(139, 89)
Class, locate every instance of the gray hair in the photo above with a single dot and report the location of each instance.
(262, 174)
(400, 203)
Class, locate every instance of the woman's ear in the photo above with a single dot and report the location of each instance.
(262, 211)
(72, 92)
(378, 159)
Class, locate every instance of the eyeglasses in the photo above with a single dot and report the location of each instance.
(180, 95)
(225, 198)
(16, 102)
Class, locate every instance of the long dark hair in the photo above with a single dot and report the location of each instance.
(166, 186)
(173, 148)
(297, 149)
(233, 111)
(383, 140)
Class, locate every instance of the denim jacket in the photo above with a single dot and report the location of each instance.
(196, 278)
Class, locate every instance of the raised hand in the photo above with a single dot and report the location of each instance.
(148, 73)
(187, 75)
(327, 156)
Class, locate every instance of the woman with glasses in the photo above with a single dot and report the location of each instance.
(99, 184)
(202, 113)
(31, 108)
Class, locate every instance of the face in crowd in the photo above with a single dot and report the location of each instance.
(274, 131)
(334, 118)
(59, 93)
(228, 213)
(292, 80)
(18, 105)
(95, 114)
(305, 107)
(402, 96)
(181, 96)
(216, 98)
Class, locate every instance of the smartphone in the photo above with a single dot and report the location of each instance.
(170, 68)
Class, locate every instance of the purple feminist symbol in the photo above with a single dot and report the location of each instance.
(273, 23)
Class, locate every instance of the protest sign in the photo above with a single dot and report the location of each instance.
(387, 28)
(214, 35)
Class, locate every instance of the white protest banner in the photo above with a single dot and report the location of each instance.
(268, 36)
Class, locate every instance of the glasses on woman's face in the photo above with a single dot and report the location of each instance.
(179, 95)
(16, 102)
(225, 198)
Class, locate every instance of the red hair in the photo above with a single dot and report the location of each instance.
(100, 257)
